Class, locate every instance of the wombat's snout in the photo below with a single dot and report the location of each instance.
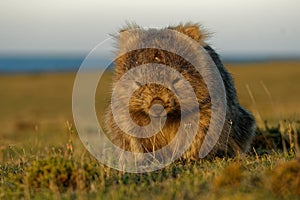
(156, 108)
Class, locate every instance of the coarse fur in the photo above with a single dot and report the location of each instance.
(238, 130)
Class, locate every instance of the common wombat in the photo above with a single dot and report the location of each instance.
(149, 99)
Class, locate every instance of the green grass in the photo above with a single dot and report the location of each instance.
(64, 172)
(41, 156)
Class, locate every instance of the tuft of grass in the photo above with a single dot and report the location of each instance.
(230, 177)
(285, 179)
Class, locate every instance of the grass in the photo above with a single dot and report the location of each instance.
(274, 86)
(41, 156)
(61, 172)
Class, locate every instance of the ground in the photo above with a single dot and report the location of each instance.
(41, 156)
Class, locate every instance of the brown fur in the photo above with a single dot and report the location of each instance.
(238, 129)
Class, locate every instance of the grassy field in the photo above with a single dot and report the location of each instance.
(41, 156)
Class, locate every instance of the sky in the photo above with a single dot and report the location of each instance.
(238, 27)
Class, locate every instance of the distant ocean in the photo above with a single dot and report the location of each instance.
(10, 65)
(14, 64)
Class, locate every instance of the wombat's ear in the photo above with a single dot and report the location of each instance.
(127, 36)
(194, 31)
(124, 37)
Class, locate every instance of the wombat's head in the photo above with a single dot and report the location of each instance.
(155, 99)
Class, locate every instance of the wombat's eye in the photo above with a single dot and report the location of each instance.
(139, 84)
(156, 58)
(176, 80)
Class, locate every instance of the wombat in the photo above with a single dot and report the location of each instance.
(155, 100)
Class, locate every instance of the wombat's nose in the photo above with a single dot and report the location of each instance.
(157, 110)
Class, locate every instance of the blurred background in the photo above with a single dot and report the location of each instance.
(241, 30)
(43, 43)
